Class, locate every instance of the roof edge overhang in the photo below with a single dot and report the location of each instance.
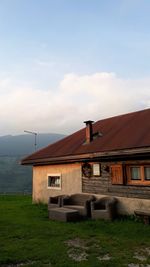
(88, 156)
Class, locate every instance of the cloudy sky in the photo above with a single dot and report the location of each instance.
(66, 61)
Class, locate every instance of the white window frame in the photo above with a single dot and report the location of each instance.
(53, 175)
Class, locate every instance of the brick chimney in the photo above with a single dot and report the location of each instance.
(89, 131)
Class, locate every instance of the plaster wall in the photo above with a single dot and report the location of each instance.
(127, 206)
(70, 181)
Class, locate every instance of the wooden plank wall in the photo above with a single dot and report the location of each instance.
(102, 185)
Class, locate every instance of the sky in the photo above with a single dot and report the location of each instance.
(66, 61)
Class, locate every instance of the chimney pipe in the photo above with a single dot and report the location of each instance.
(89, 131)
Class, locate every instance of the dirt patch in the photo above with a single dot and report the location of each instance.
(77, 249)
(142, 254)
(77, 243)
(147, 250)
(77, 255)
(104, 258)
(138, 265)
(19, 264)
(26, 264)
(140, 257)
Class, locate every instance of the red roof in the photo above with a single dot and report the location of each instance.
(117, 133)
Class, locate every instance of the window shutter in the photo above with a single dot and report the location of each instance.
(116, 174)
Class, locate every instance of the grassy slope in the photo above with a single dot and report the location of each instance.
(27, 236)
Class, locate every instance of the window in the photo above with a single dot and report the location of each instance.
(138, 175)
(147, 173)
(54, 181)
(96, 169)
(135, 173)
(116, 174)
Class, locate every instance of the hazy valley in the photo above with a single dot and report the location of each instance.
(13, 176)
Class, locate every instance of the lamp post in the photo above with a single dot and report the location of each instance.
(35, 136)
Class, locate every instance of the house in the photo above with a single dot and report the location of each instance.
(108, 157)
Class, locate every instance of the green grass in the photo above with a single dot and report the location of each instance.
(28, 238)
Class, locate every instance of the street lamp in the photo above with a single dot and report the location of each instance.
(35, 136)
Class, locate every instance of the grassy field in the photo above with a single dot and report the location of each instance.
(28, 238)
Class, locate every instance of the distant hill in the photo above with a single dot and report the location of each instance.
(19, 145)
(13, 176)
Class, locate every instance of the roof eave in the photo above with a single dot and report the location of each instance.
(88, 156)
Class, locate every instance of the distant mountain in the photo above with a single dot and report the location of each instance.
(15, 178)
(19, 145)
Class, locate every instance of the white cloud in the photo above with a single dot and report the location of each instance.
(78, 98)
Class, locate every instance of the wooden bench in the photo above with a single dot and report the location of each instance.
(63, 214)
(144, 215)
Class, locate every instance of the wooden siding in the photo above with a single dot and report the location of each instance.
(103, 184)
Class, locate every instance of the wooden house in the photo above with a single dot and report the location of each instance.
(108, 157)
